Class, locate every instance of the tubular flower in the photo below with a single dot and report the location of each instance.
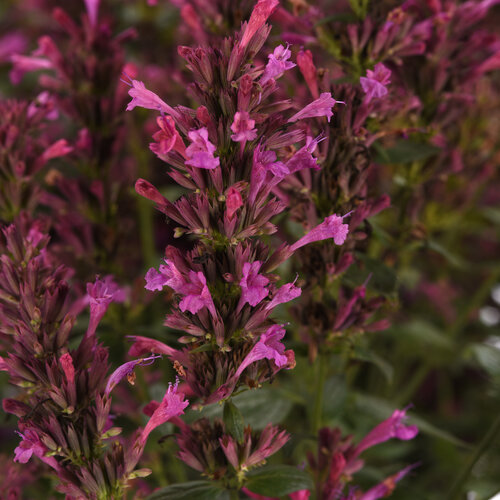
(320, 107)
(375, 83)
(278, 64)
(200, 152)
(253, 285)
(331, 227)
(243, 127)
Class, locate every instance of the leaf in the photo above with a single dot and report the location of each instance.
(278, 480)
(384, 366)
(201, 490)
(260, 407)
(233, 420)
(488, 357)
(405, 151)
(452, 258)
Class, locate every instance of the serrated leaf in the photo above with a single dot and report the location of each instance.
(201, 490)
(233, 420)
(278, 480)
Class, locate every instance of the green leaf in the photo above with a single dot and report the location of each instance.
(201, 490)
(260, 407)
(384, 366)
(278, 480)
(233, 420)
(488, 358)
(405, 151)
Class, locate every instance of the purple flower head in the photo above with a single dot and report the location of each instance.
(303, 158)
(200, 152)
(100, 294)
(253, 285)
(268, 347)
(167, 138)
(320, 107)
(266, 171)
(197, 294)
(260, 13)
(145, 98)
(393, 427)
(31, 444)
(92, 10)
(375, 83)
(243, 127)
(126, 370)
(278, 64)
(331, 227)
(169, 275)
(172, 405)
(286, 293)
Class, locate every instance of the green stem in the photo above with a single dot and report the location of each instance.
(322, 370)
(487, 440)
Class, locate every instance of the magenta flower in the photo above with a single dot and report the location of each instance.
(59, 148)
(375, 82)
(167, 138)
(260, 13)
(266, 172)
(143, 345)
(172, 405)
(286, 293)
(100, 294)
(92, 9)
(253, 285)
(200, 152)
(169, 275)
(393, 427)
(278, 64)
(197, 294)
(127, 369)
(268, 347)
(30, 445)
(320, 107)
(303, 158)
(25, 64)
(145, 98)
(233, 201)
(331, 227)
(243, 127)
(66, 362)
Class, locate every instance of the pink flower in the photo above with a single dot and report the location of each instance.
(308, 70)
(260, 13)
(59, 148)
(268, 347)
(100, 294)
(31, 444)
(172, 405)
(320, 107)
(243, 127)
(200, 152)
(300, 495)
(374, 84)
(233, 201)
(284, 294)
(278, 64)
(331, 227)
(393, 427)
(143, 345)
(144, 98)
(92, 9)
(125, 370)
(265, 171)
(303, 158)
(385, 488)
(66, 362)
(253, 285)
(197, 294)
(167, 138)
(24, 64)
(169, 275)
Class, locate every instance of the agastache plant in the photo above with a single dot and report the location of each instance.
(65, 400)
(229, 152)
